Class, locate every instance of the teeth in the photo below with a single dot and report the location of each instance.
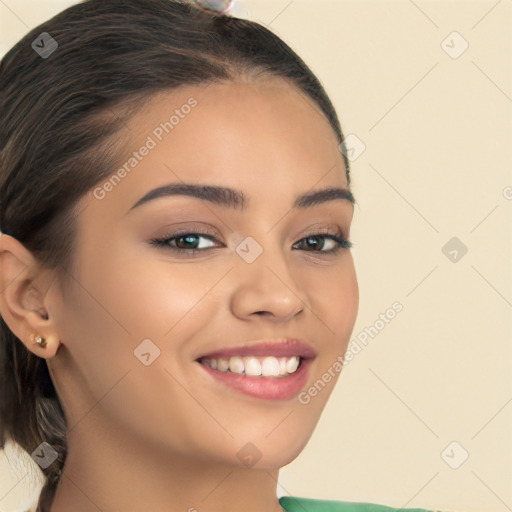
(236, 364)
(252, 366)
(282, 366)
(268, 366)
(292, 365)
(222, 364)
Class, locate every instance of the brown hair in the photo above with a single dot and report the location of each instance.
(60, 117)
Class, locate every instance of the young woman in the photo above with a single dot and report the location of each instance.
(175, 262)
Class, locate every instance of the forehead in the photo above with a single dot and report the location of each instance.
(265, 138)
(269, 121)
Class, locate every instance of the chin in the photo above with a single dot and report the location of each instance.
(271, 455)
(276, 461)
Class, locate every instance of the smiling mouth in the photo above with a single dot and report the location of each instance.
(255, 366)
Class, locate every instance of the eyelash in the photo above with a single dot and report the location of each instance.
(163, 242)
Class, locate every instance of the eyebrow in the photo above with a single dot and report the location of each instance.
(235, 199)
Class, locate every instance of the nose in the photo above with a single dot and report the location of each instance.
(266, 288)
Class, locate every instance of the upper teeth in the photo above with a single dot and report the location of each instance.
(269, 366)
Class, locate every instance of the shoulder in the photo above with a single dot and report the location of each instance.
(297, 504)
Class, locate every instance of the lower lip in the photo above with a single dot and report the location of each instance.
(266, 388)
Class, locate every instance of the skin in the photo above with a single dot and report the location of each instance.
(166, 436)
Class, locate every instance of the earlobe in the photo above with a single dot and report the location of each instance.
(39, 340)
(41, 344)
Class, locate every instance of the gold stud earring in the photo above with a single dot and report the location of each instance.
(39, 340)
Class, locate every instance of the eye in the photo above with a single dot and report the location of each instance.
(317, 240)
(186, 242)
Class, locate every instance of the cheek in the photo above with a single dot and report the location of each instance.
(334, 295)
(349, 303)
(120, 303)
(147, 293)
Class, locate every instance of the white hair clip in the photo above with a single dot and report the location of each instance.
(215, 6)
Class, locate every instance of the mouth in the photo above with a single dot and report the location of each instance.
(267, 370)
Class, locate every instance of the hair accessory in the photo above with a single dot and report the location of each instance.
(215, 6)
(39, 340)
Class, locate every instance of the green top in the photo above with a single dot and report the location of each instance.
(297, 504)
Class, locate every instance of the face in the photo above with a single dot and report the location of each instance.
(139, 313)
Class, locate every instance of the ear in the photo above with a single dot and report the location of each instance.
(24, 298)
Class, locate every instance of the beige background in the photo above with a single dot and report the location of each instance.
(437, 131)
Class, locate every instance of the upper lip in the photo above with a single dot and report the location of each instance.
(285, 347)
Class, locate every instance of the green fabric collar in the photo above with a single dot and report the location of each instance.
(298, 504)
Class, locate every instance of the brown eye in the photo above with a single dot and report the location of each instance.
(318, 241)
